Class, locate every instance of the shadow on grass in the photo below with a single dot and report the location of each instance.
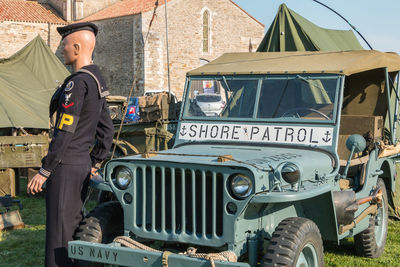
(346, 247)
(345, 255)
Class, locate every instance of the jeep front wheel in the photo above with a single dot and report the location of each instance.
(371, 242)
(101, 225)
(295, 242)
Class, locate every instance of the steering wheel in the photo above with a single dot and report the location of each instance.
(294, 112)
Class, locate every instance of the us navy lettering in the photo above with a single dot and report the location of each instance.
(94, 253)
(100, 254)
(74, 250)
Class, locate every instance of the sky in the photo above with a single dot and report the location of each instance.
(377, 20)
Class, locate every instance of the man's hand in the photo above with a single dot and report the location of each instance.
(35, 185)
(93, 172)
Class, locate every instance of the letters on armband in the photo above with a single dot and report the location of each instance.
(67, 122)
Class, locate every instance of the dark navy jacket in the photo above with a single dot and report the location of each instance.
(82, 120)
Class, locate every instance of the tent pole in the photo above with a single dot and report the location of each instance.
(337, 13)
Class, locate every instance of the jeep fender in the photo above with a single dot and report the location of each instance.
(389, 172)
(317, 206)
(384, 168)
(100, 185)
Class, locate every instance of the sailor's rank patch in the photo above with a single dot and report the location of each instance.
(67, 122)
(68, 106)
(67, 98)
(69, 86)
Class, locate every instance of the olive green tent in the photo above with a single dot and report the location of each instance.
(27, 82)
(291, 32)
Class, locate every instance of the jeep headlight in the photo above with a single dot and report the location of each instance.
(290, 173)
(123, 177)
(241, 186)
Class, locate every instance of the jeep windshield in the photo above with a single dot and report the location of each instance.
(291, 98)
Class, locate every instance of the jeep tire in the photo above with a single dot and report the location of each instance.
(295, 242)
(101, 225)
(371, 242)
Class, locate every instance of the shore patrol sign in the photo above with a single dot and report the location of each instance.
(314, 136)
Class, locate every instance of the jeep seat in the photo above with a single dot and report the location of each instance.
(371, 128)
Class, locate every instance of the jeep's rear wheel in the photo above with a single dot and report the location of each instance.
(295, 242)
(101, 225)
(371, 242)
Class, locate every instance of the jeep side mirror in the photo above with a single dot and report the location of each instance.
(356, 144)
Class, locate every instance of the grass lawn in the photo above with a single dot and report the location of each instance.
(25, 247)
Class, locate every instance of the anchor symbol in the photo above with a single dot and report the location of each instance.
(327, 138)
(183, 131)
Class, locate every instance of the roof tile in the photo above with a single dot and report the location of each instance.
(124, 8)
(28, 11)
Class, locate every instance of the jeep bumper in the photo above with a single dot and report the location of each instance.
(114, 254)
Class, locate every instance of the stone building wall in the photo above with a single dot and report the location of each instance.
(231, 30)
(56, 4)
(90, 7)
(15, 35)
(114, 52)
(78, 9)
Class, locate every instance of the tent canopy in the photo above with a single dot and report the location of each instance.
(291, 32)
(27, 81)
(344, 62)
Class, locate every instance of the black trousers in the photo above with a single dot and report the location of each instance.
(66, 191)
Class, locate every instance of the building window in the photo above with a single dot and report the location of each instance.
(206, 31)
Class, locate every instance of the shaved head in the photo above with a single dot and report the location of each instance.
(78, 48)
(85, 39)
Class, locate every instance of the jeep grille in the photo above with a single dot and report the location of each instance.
(178, 203)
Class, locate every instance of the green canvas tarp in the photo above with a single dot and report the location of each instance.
(291, 32)
(337, 62)
(27, 81)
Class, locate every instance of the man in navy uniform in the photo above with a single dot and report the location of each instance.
(82, 139)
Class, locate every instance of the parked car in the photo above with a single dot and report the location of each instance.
(210, 104)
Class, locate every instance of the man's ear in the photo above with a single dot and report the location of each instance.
(77, 49)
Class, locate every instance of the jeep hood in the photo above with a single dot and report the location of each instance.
(310, 160)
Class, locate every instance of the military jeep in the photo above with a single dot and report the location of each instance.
(298, 155)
